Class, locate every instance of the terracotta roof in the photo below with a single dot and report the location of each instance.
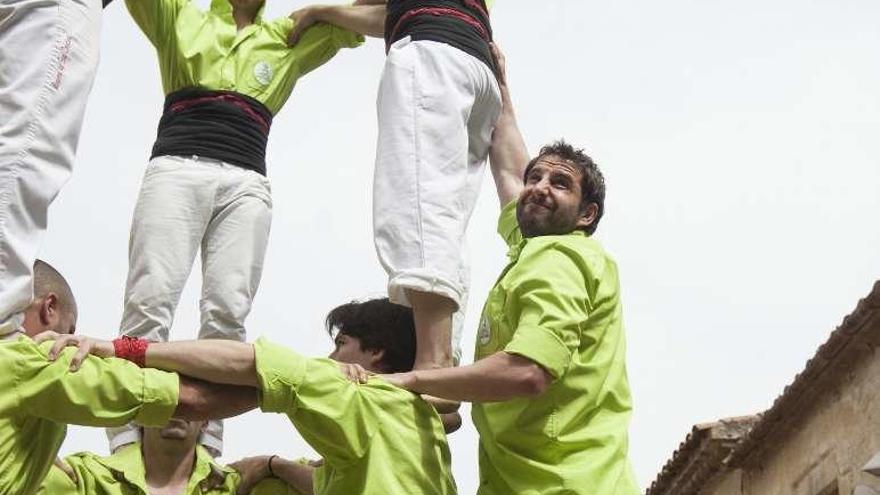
(848, 344)
(700, 456)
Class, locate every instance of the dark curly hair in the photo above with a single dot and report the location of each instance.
(592, 180)
(379, 325)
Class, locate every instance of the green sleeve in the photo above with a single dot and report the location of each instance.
(156, 18)
(508, 226)
(319, 43)
(103, 392)
(274, 486)
(57, 482)
(331, 413)
(549, 293)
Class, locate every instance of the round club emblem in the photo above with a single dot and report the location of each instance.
(263, 73)
(485, 334)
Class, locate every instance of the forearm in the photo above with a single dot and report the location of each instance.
(365, 19)
(200, 400)
(499, 377)
(296, 475)
(508, 155)
(218, 361)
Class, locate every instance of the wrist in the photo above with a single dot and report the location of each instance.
(269, 466)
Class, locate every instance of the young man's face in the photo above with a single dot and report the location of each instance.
(348, 350)
(549, 204)
(176, 430)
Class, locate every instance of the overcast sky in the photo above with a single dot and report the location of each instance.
(740, 146)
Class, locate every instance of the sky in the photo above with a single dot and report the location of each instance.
(739, 144)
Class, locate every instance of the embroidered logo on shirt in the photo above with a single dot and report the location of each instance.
(263, 73)
(484, 333)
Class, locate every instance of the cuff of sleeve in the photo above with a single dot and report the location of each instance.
(347, 38)
(161, 391)
(508, 226)
(541, 346)
(279, 372)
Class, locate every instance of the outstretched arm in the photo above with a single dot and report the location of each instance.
(200, 400)
(508, 155)
(219, 361)
(368, 20)
(497, 378)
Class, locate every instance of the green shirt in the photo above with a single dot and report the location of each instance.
(39, 398)
(557, 303)
(123, 474)
(205, 49)
(375, 438)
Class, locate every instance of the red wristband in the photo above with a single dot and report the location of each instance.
(131, 349)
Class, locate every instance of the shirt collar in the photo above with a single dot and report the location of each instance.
(224, 9)
(127, 464)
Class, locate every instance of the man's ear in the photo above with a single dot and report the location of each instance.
(588, 215)
(376, 358)
(50, 314)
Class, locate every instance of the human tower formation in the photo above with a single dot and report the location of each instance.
(548, 383)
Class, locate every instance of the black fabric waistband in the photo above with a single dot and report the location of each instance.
(223, 125)
(463, 24)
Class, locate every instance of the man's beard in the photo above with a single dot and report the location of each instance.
(551, 222)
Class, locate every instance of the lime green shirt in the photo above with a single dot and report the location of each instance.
(39, 398)
(205, 49)
(123, 473)
(375, 438)
(557, 303)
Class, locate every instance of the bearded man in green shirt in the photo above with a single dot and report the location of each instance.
(168, 460)
(374, 438)
(551, 397)
(39, 397)
(226, 72)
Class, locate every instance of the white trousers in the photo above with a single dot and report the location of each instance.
(188, 204)
(48, 59)
(437, 107)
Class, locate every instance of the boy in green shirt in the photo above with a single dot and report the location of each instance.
(39, 397)
(374, 438)
(549, 386)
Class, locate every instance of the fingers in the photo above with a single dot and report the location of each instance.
(81, 353)
(44, 336)
(443, 406)
(451, 422)
(354, 372)
(60, 343)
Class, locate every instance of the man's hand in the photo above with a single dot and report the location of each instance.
(252, 471)
(85, 345)
(303, 19)
(354, 372)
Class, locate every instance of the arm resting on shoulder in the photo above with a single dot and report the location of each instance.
(499, 377)
(218, 361)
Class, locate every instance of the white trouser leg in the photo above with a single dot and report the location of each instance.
(48, 59)
(233, 250)
(437, 107)
(172, 212)
(187, 203)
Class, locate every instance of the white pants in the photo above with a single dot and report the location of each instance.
(187, 204)
(437, 107)
(48, 59)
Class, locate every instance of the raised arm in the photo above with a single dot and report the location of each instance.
(367, 20)
(508, 155)
(257, 471)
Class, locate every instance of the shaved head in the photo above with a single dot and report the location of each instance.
(47, 280)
